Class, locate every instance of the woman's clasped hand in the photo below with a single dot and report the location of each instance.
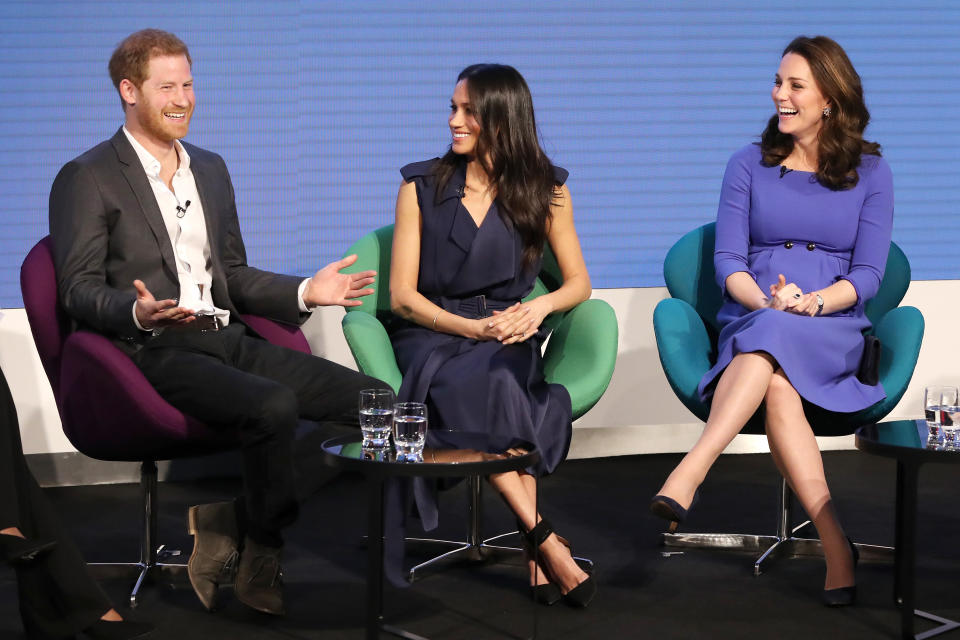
(518, 322)
(786, 296)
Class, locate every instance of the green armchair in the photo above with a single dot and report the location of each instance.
(580, 355)
(686, 331)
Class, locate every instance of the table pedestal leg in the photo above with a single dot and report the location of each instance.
(374, 558)
(536, 554)
(906, 534)
(375, 622)
(904, 591)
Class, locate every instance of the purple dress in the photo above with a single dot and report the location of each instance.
(768, 224)
(480, 395)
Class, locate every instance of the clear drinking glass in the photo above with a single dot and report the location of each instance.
(949, 416)
(409, 430)
(376, 417)
(931, 410)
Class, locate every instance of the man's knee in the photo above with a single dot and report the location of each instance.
(368, 382)
(275, 414)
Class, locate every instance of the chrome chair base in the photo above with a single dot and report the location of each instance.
(165, 572)
(785, 544)
(152, 558)
(770, 548)
(454, 551)
(474, 549)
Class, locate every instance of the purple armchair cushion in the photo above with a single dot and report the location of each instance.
(108, 409)
(283, 335)
(48, 322)
(111, 412)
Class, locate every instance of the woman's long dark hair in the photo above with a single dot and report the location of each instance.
(509, 152)
(840, 138)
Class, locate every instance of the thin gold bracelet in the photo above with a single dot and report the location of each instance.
(435, 319)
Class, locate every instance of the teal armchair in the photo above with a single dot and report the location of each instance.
(580, 354)
(686, 331)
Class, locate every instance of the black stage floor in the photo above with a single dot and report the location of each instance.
(600, 505)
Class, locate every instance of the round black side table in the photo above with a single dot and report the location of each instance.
(345, 452)
(907, 442)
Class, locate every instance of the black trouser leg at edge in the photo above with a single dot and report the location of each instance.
(58, 596)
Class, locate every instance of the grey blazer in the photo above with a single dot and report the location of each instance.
(107, 231)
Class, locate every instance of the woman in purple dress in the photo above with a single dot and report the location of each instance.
(467, 247)
(803, 233)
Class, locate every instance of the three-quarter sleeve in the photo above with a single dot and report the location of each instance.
(873, 231)
(733, 219)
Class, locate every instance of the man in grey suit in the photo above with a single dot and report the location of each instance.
(148, 252)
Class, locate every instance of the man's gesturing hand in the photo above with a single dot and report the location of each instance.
(152, 313)
(330, 287)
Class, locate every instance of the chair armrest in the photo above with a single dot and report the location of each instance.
(901, 334)
(371, 347)
(582, 352)
(686, 352)
(278, 333)
(105, 398)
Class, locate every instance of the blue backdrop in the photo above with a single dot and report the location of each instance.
(315, 105)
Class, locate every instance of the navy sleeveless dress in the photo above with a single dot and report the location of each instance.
(480, 395)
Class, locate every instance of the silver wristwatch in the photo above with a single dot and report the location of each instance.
(819, 304)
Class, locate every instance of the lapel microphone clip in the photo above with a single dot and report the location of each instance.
(182, 211)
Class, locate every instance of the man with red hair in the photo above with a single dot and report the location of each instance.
(148, 252)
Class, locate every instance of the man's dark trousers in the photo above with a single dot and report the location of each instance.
(231, 380)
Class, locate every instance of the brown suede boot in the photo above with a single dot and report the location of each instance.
(215, 539)
(259, 583)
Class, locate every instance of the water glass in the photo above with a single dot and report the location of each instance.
(931, 410)
(949, 416)
(376, 417)
(409, 430)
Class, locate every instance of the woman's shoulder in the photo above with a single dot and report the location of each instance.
(874, 168)
(560, 175)
(873, 162)
(420, 169)
(744, 161)
(748, 154)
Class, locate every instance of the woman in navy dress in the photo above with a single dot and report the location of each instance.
(803, 233)
(467, 247)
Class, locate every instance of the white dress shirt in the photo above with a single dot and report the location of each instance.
(182, 214)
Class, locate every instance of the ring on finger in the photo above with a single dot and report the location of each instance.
(797, 295)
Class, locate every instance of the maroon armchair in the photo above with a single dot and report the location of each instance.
(108, 409)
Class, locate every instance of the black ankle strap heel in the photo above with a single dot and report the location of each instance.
(581, 595)
(545, 594)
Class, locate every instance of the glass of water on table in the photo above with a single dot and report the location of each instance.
(376, 417)
(931, 410)
(409, 430)
(949, 416)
